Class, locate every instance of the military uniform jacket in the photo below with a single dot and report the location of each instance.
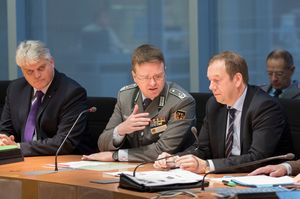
(172, 114)
(291, 92)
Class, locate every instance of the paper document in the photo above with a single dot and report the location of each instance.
(95, 165)
(158, 178)
(262, 181)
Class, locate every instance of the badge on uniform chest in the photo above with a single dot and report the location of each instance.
(158, 125)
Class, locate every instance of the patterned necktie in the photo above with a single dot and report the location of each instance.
(229, 138)
(30, 123)
(146, 103)
(277, 92)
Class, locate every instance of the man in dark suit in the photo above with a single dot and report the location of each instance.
(40, 130)
(242, 122)
(280, 68)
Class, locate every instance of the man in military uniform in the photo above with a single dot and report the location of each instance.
(151, 116)
(280, 68)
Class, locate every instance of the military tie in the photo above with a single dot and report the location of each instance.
(30, 123)
(146, 103)
(229, 137)
(277, 92)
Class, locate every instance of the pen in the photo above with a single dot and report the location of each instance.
(229, 183)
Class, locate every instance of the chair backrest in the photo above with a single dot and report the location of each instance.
(96, 123)
(201, 99)
(292, 110)
(3, 87)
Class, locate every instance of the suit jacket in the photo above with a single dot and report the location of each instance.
(295, 167)
(172, 113)
(291, 92)
(62, 103)
(263, 132)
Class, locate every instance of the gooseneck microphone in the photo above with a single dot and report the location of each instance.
(90, 110)
(195, 133)
(288, 156)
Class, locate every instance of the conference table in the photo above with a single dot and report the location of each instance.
(34, 178)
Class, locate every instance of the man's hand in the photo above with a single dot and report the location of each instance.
(297, 179)
(7, 140)
(191, 163)
(165, 162)
(272, 170)
(105, 156)
(135, 122)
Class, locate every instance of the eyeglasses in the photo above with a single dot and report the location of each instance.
(276, 73)
(156, 78)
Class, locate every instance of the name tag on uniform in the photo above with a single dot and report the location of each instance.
(158, 125)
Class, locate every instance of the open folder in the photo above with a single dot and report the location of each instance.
(152, 181)
(263, 181)
(10, 153)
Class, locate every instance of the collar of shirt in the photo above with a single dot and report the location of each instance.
(44, 90)
(238, 105)
(273, 90)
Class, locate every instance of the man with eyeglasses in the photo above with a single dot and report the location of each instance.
(150, 117)
(280, 68)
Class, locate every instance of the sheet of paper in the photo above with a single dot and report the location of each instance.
(95, 165)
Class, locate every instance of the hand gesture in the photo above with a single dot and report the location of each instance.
(135, 122)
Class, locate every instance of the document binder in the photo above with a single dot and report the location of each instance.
(10, 154)
(130, 182)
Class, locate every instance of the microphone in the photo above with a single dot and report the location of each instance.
(288, 156)
(195, 133)
(90, 110)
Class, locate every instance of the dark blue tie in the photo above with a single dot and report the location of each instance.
(146, 103)
(229, 137)
(277, 92)
(30, 123)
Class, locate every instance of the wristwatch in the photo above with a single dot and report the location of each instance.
(115, 156)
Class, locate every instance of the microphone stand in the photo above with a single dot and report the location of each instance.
(92, 109)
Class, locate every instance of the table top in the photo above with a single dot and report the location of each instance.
(36, 169)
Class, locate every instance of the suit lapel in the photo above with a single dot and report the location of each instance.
(291, 91)
(50, 93)
(26, 100)
(222, 123)
(248, 99)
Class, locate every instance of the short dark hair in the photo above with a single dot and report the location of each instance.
(282, 54)
(234, 63)
(146, 53)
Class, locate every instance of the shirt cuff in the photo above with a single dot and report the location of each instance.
(123, 155)
(287, 167)
(211, 165)
(117, 139)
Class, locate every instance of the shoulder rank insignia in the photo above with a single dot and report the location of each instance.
(179, 115)
(128, 87)
(177, 93)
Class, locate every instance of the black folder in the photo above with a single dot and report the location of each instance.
(10, 154)
(129, 182)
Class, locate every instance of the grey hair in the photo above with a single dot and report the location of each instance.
(31, 51)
